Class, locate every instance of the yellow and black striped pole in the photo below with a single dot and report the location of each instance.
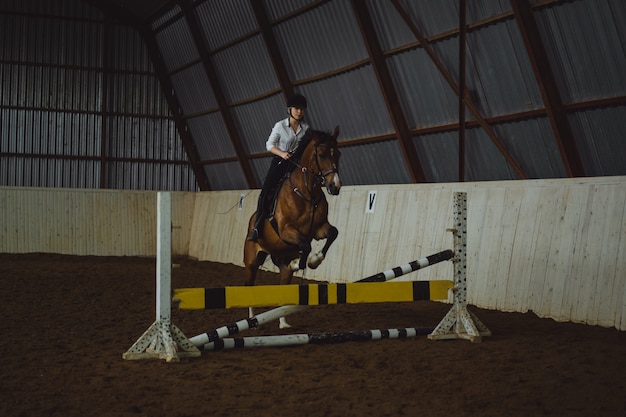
(311, 294)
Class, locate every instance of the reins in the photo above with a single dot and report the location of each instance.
(321, 178)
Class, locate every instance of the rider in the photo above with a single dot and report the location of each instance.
(282, 142)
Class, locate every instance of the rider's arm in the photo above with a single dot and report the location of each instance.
(278, 152)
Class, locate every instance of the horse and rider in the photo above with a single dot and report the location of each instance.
(292, 209)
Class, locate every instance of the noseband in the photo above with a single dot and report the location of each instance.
(321, 176)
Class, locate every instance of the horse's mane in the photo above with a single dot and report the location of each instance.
(322, 138)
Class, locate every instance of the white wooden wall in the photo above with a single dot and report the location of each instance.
(555, 247)
(88, 222)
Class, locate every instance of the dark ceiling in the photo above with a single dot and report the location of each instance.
(543, 88)
(137, 10)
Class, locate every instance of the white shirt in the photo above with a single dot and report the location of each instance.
(284, 138)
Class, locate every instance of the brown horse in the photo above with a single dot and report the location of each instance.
(301, 212)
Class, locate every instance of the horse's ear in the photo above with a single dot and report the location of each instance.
(336, 132)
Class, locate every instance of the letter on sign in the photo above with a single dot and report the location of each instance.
(371, 201)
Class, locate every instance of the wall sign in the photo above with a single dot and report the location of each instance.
(240, 204)
(371, 201)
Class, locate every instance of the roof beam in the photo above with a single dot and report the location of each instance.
(547, 86)
(122, 15)
(205, 57)
(174, 104)
(388, 90)
(272, 48)
(462, 55)
(466, 98)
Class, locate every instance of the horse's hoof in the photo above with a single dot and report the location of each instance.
(283, 324)
(315, 261)
(294, 265)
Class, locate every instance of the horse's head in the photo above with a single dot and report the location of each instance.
(326, 156)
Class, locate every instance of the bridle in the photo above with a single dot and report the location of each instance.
(321, 176)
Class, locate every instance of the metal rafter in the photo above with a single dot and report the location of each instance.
(272, 47)
(172, 100)
(450, 80)
(538, 57)
(205, 57)
(462, 54)
(104, 129)
(388, 90)
(114, 11)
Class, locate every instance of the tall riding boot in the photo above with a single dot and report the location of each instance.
(255, 233)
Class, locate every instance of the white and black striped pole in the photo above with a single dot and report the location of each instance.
(315, 338)
(245, 324)
(410, 267)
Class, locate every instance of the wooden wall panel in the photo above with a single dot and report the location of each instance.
(88, 222)
(555, 247)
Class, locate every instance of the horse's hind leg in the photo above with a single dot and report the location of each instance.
(317, 258)
(286, 274)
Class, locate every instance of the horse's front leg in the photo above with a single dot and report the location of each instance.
(317, 258)
(305, 251)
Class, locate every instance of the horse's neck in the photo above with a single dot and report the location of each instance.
(305, 179)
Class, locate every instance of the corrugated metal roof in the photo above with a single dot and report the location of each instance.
(484, 9)
(51, 41)
(223, 21)
(433, 17)
(499, 76)
(148, 176)
(439, 156)
(600, 136)
(255, 121)
(352, 101)
(54, 67)
(126, 51)
(375, 163)
(279, 8)
(211, 136)
(39, 172)
(320, 40)
(193, 89)
(426, 97)
(226, 176)
(176, 45)
(585, 42)
(531, 142)
(56, 8)
(484, 161)
(245, 70)
(260, 167)
(391, 30)
(134, 94)
(61, 78)
(143, 138)
(170, 14)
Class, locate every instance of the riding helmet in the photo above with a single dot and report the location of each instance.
(297, 100)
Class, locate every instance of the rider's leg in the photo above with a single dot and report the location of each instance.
(260, 216)
(274, 174)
